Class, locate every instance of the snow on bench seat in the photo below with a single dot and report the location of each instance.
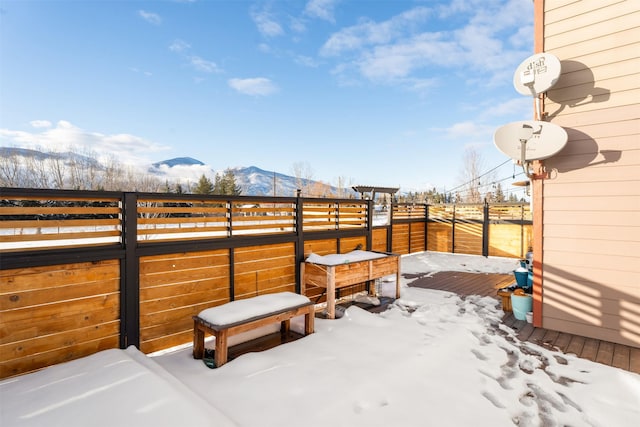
(250, 308)
(240, 316)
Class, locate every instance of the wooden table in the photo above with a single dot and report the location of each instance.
(336, 276)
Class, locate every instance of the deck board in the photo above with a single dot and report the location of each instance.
(483, 284)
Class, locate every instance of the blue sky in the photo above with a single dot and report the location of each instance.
(377, 92)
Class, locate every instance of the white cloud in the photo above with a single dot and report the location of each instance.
(368, 33)
(203, 65)
(266, 23)
(179, 46)
(152, 18)
(65, 136)
(297, 25)
(41, 123)
(322, 9)
(486, 47)
(258, 86)
(521, 106)
(137, 70)
(307, 61)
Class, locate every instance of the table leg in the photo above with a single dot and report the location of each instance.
(331, 294)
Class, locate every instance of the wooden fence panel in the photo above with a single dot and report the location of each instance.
(52, 221)
(417, 237)
(379, 239)
(175, 287)
(400, 239)
(53, 314)
(439, 237)
(510, 240)
(320, 247)
(264, 269)
(348, 244)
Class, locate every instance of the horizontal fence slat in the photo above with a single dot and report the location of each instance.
(58, 210)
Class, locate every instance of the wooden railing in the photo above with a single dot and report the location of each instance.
(85, 271)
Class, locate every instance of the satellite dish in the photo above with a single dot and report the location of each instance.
(537, 74)
(541, 139)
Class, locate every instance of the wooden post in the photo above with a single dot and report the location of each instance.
(331, 292)
(398, 279)
(309, 319)
(198, 341)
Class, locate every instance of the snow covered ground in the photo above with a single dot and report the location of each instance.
(430, 359)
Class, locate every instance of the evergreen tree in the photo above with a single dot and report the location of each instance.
(225, 184)
(499, 195)
(217, 186)
(229, 186)
(204, 186)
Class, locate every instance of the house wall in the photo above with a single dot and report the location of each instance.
(591, 200)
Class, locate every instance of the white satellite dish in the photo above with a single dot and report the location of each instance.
(537, 74)
(539, 140)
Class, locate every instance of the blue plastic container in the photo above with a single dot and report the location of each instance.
(529, 279)
(521, 278)
(521, 305)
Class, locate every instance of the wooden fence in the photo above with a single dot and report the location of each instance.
(81, 271)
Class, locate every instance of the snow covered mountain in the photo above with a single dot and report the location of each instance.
(252, 180)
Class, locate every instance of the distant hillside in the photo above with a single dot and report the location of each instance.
(252, 180)
(39, 155)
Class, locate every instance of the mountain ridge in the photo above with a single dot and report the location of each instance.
(252, 180)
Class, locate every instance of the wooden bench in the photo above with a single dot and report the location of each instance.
(244, 315)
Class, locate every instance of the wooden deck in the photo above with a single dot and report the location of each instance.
(464, 284)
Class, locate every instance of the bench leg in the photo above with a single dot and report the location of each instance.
(285, 325)
(308, 321)
(221, 348)
(198, 341)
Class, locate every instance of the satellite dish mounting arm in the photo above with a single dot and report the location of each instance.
(525, 135)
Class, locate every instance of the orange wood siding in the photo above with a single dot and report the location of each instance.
(591, 232)
(57, 313)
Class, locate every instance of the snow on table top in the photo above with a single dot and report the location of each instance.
(337, 259)
(243, 309)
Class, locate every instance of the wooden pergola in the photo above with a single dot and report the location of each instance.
(372, 190)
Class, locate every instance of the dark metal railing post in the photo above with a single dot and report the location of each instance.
(369, 224)
(522, 254)
(299, 241)
(390, 228)
(130, 287)
(453, 231)
(426, 227)
(485, 229)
